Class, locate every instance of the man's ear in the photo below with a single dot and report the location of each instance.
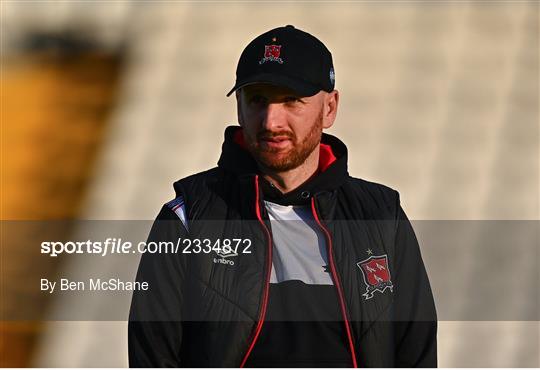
(331, 102)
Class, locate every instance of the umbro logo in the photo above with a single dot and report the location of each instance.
(227, 255)
(224, 258)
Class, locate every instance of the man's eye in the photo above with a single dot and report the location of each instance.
(292, 99)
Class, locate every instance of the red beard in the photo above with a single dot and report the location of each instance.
(279, 160)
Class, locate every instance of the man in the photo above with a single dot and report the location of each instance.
(329, 273)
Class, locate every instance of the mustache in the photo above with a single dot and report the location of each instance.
(265, 134)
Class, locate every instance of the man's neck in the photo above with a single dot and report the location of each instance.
(287, 181)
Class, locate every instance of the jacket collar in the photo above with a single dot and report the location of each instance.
(331, 174)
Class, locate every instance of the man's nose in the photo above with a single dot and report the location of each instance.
(274, 117)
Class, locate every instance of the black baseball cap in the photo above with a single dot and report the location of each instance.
(289, 57)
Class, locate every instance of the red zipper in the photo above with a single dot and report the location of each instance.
(336, 281)
(268, 272)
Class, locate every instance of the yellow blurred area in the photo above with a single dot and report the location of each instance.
(53, 119)
(54, 111)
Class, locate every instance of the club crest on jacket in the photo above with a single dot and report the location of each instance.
(376, 275)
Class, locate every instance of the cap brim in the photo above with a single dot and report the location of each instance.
(300, 87)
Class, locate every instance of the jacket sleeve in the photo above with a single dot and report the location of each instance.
(154, 328)
(415, 325)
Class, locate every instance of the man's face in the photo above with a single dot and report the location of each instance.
(282, 128)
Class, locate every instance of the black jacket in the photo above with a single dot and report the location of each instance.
(199, 313)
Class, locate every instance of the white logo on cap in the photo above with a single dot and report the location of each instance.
(332, 76)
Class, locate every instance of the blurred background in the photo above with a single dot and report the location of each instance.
(105, 104)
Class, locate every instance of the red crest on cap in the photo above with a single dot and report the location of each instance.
(271, 54)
